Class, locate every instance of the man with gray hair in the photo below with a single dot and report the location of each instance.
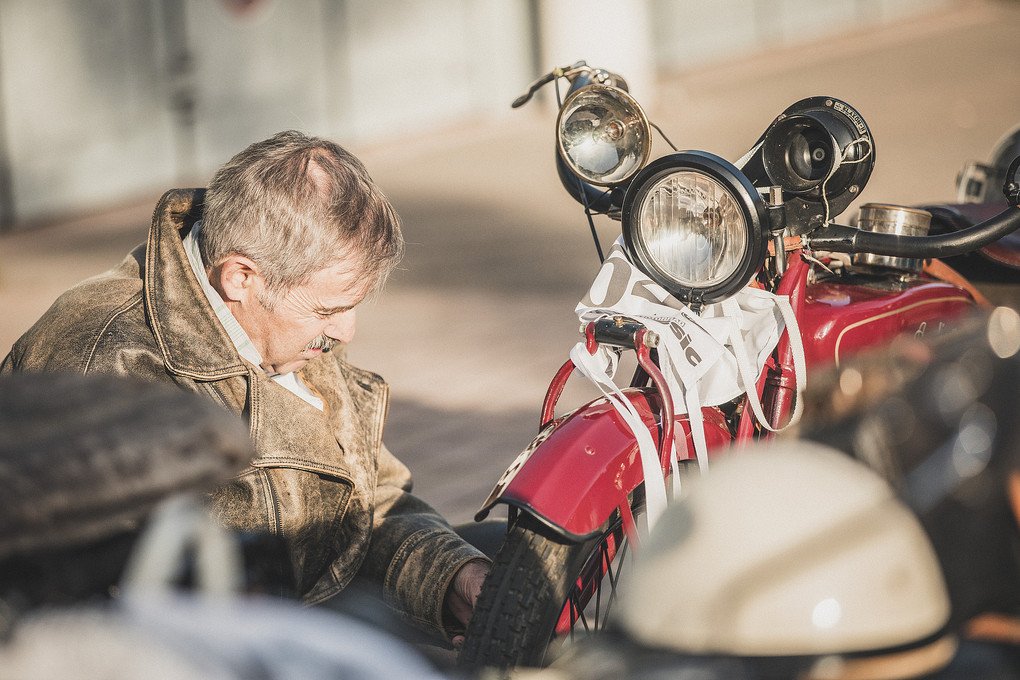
(246, 293)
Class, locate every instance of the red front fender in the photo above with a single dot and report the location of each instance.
(581, 468)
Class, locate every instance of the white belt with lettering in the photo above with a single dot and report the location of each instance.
(707, 359)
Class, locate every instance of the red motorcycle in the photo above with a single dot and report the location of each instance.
(697, 233)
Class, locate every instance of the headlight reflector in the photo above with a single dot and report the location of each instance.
(603, 135)
(695, 225)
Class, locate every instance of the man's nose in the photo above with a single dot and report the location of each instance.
(341, 327)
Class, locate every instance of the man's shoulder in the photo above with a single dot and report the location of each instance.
(100, 315)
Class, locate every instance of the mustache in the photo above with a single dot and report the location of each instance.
(323, 342)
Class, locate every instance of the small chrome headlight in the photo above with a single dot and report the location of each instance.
(695, 225)
(603, 135)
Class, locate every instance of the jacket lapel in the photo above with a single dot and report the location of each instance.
(190, 337)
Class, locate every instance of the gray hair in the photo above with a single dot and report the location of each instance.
(295, 205)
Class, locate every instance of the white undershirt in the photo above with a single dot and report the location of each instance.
(289, 381)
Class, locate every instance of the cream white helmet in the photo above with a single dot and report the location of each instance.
(792, 551)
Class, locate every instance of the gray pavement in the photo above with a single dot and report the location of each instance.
(479, 317)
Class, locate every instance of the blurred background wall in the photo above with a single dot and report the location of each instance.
(108, 100)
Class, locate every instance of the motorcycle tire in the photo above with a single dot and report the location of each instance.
(534, 576)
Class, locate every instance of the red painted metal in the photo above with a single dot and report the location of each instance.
(746, 428)
(644, 358)
(559, 381)
(552, 395)
(783, 381)
(590, 343)
(840, 319)
(777, 381)
(587, 583)
(589, 463)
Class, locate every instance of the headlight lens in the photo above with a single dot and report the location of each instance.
(696, 226)
(603, 135)
(693, 229)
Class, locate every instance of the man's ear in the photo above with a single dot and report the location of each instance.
(236, 278)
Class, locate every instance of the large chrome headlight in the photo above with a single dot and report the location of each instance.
(603, 135)
(695, 225)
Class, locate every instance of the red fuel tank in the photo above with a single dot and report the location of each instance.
(841, 318)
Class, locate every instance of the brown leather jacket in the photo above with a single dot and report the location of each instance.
(321, 479)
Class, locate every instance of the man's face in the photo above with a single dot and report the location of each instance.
(291, 329)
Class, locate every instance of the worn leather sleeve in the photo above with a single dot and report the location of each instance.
(414, 552)
(7, 367)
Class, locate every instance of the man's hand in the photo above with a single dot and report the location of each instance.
(463, 592)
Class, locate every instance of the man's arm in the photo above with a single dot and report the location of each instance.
(7, 367)
(428, 572)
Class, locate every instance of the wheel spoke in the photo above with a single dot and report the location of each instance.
(581, 617)
(586, 609)
(609, 572)
(612, 595)
(573, 615)
(603, 559)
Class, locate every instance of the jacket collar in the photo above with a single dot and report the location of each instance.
(190, 337)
